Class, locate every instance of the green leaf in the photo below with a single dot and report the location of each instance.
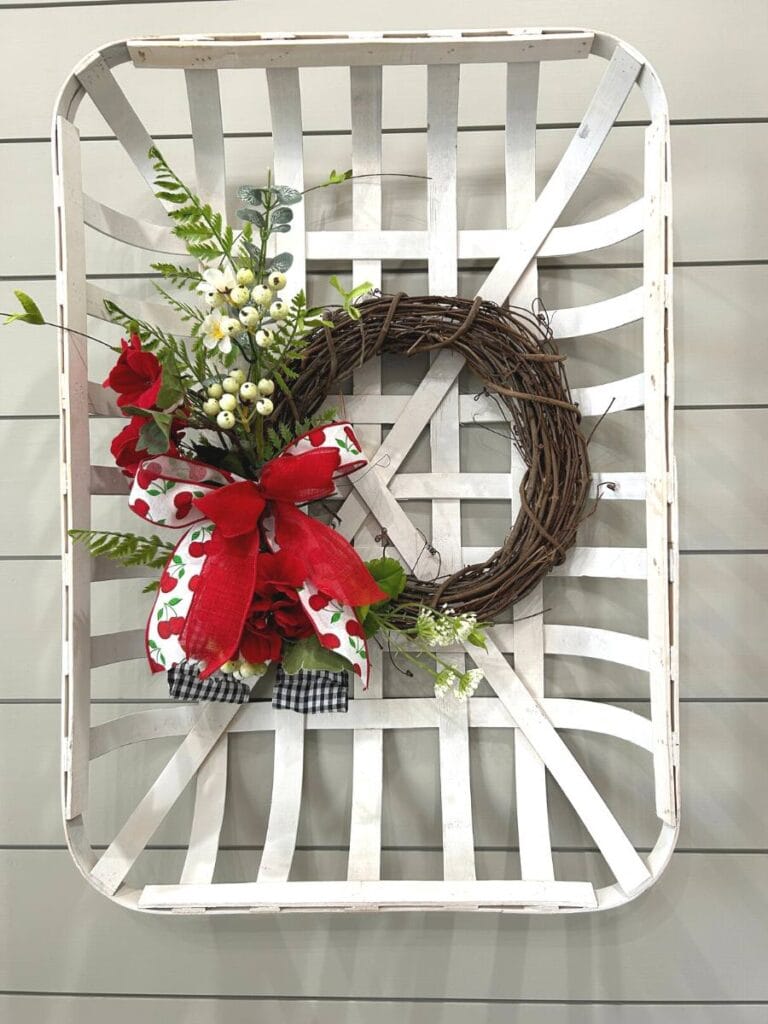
(31, 314)
(389, 574)
(337, 177)
(309, 654)
(172, 389)
(282, 216)
(477, 638)
(254, 216)
(154, 436)
(250, 195)
(287, 195)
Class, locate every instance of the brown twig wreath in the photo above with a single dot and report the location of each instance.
(512, 352)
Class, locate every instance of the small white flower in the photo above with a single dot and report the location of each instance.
(261, 296)
(264, 407)
(469, 682)
(444, 680)
(216, 333)
(249, 317)
(266, 387)
(464, 625)
(239, 296)
(215, 284)
(279, 310)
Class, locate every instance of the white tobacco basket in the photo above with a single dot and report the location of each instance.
(537, 731)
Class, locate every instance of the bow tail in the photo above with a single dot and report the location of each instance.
(338, 629)
(174, 598)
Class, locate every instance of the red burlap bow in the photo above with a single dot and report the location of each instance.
(212, 580)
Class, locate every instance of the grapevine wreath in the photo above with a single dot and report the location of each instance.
(228, 440)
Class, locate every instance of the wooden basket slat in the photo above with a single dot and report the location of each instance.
(365, 85)
(521, 704)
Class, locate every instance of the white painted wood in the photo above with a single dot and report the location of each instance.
(386, 895)
(368, 744)
(152, 312)
(280, 841)
(97, 79)
(374, 500)
(119, 857)
(208, 139)
(210, 798)
(288, 162)
(142, 234)
(606, 104)
(75, 483)
(270, 50)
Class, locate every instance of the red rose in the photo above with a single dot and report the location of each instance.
(137, 376)
(125, 450)
(276, 614)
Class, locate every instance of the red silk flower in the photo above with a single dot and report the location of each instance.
(137, 376)
(125, 449)
(275, 613)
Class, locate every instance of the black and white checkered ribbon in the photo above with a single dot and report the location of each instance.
(311, 692)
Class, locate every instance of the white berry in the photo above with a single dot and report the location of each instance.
(264, 407)
(238, 375)
(245, 276)
(266, 387)
(228, 403)
(230, 326)
(231, 385)
(211, 407)
(249, 392)
(276, 280)
(225, 420)
(261, 296)
(249, 317)
(239, 296)
(228, 667)
(215, 390)
(279, 310)
(265, 338)
(248, 668)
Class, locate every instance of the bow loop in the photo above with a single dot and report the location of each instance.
(235, 509)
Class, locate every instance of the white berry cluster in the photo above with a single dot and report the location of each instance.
(240, 668)
(225, 396)
(222, 289)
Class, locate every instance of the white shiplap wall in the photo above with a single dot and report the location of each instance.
(693, 949)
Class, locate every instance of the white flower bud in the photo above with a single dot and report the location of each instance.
(215, 390)
(276, 280)
(265, 337)
(249, 317)
(245, 276)
(266, 387)
(279, 310)
(248, 669)
(261, 296)
(225, 420)
(239, 296)
(237, 375)
(229, 667)
(249, 392)
(264, 407)
(228, 403)
(231, 385)
(211, 407)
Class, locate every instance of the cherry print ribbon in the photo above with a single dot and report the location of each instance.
(208, 583)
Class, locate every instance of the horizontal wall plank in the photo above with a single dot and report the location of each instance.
(724, 796)
(721, 41)
(699, 934)
(58, 1009)
(709, 160)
